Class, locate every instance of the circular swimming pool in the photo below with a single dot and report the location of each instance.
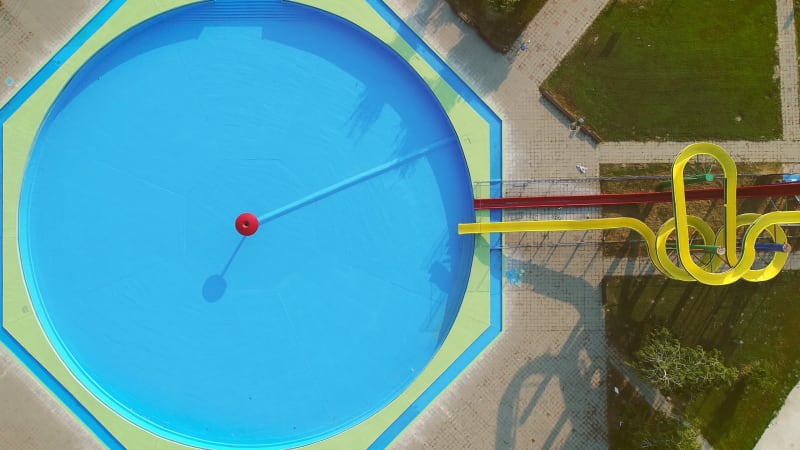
(187, 328)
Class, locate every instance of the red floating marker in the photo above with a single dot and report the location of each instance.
(247, 224)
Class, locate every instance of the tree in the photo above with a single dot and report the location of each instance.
(505, 6)
(669, 366)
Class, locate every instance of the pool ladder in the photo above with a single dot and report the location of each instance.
(226, 10)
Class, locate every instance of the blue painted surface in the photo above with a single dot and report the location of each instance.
(309, 326)
(791, 178)
(515, 276)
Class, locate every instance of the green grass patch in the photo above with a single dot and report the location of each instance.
(754, 325)
(498, 29)
(675, 70)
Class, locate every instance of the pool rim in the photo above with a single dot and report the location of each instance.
(155, 420)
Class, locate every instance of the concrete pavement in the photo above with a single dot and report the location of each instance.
(31, 418)
(787, 56)
(32, 31)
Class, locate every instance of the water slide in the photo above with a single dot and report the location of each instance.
(724, 269)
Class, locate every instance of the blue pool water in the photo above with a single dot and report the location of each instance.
(168, 315)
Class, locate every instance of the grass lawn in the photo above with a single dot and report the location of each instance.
(499, 30)
(676, 70)
(753, 324)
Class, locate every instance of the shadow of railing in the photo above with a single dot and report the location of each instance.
(577, 367)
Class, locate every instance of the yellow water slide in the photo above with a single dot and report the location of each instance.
(725, 268)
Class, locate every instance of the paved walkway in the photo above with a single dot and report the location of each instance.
(787, 56)
(783, 432)
(31, 31)
(31, 418)
(787, 152)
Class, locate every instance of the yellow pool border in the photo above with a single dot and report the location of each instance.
(19, 132)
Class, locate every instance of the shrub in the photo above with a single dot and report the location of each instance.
(669, 366)
(666, 433)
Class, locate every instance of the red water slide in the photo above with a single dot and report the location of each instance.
(557, 201)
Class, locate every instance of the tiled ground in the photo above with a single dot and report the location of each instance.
(541, 385)
(31, 418)
(31, 31)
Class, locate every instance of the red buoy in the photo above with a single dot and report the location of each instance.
(247, 224)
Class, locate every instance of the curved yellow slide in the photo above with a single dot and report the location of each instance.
(739, 265)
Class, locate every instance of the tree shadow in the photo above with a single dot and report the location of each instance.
(469, 52)
(472, 52)
(789, 20)
(725, 413)
(430, 13)
(448, 273)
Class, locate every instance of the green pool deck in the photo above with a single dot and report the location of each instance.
(19, 133)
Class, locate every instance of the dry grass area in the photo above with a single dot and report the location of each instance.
(625, 243)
